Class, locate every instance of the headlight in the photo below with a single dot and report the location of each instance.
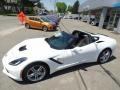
(18, 61)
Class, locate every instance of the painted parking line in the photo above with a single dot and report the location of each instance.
(9, 31)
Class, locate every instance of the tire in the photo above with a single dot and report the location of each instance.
(35, 72)
(104, 56)
(45, 28)
(93, 23)
(27, 26)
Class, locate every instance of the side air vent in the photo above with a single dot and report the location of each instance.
(23, 48)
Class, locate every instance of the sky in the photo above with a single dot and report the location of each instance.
(49, 4)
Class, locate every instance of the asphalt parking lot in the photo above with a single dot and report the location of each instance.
(81, 77)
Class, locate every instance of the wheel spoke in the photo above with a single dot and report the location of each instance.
(105, 56)
(36, 77)
(41, 71)
(102, 58)
(36, 73)
(33, 70)
(40, 68)
(31, 75)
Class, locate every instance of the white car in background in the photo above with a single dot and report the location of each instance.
(33, 59)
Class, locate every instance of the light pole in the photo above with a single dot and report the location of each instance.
(55, 1)
(55, 6)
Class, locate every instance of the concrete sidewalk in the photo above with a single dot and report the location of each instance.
(7, 23)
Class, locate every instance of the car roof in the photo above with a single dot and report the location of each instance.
(33, 17)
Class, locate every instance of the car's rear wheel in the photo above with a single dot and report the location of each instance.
(45, 28)
(104, 56)
(27, 26)
(35, 72)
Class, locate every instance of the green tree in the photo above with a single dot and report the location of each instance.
(61, 7)
(40, 5)
(75, 7)
(69, 8)
(2, 3)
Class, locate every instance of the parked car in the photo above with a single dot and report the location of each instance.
(94, 21)
(46, 18)
(43, 13)
(85, 18)
(61, 15)
(39, 23)
(53, 18)
(33, 59)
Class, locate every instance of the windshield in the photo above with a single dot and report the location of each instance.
(61, 40)
(45, 19)
(52, 18)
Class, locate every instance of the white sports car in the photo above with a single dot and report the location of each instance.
(32, 60)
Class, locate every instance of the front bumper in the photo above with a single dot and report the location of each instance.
(52, 28)
(5, 71)
(13, 72)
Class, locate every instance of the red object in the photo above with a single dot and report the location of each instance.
(21, 17)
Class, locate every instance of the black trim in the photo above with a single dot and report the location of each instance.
(99, 41)
(23, 48)
(56, 61)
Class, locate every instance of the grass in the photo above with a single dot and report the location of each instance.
(8, 14)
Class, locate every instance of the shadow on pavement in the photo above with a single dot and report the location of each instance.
(42, 30)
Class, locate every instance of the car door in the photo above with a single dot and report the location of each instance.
(37, 23)
(78, 55)
(84, 54)
(65, 59)
(31, 22)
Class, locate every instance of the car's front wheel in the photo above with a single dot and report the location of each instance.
(35, 72)
(104, 56)
(45, 28)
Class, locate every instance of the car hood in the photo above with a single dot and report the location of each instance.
(34, 49)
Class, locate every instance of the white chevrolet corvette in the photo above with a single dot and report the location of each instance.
(33, 59)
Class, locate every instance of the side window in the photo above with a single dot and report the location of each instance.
(37, 19)
(31, 18)
(84, 41)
